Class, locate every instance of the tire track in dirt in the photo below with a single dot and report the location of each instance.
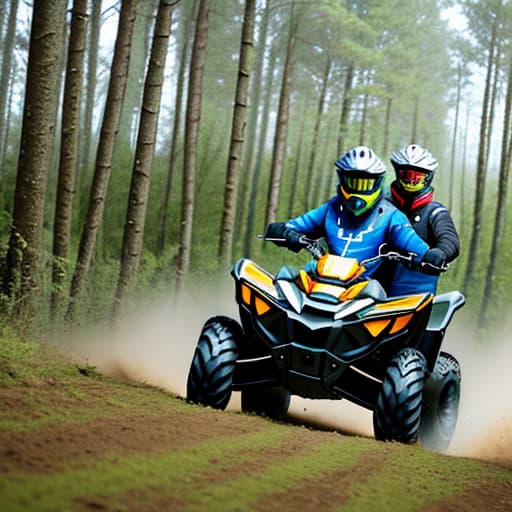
(170, 333)
(333, 488)
(51, 448)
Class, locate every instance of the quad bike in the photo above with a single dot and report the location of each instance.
(330, 333)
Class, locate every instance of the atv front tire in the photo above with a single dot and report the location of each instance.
(211, 372)
(271, 402)
(440, 404)
(398, 409)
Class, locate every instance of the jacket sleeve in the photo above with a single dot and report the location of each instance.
(444, 233)
(403, 236)
(311, 223)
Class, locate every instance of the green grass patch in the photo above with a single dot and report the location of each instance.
(414, 477)
(30, 363)
(113, 476)
(242, 492)
(45, 388)
(227, 472)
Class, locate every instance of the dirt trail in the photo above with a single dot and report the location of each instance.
(157, 346)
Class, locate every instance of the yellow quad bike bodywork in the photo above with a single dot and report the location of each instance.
(329, 333)
(324, 336)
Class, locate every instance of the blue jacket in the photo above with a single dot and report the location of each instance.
(353, 237)
(434, 224)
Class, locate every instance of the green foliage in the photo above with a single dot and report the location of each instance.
(401, 51)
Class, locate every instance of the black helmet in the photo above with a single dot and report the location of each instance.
(360, 172)
(414, 168)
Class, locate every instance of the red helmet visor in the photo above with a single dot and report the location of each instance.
(411, 176)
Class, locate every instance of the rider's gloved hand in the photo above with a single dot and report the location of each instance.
(433, 261)
(295, 243)
(275, 230)
(284, 236)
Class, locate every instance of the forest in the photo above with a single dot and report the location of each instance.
(145, 144)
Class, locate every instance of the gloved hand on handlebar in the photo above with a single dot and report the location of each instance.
(433, 262)
(278, 233)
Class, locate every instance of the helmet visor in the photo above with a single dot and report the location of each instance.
(359, 185)
(411, 179)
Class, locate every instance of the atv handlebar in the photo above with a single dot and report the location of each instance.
(311, 245)
(316, 250)
(408, 259)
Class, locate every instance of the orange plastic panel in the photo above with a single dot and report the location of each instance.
(261, 306)
(246, 294)
(375, 327)
(400, 323)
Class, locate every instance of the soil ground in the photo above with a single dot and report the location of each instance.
(73, 446)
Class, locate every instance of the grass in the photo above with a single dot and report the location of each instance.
(248, 463)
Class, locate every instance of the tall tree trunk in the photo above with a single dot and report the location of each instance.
(311, 188)
(68, 154)
(281, 124)
(255, 86)
(500, 215)
(7, 54)
(193, 117)
(23, 280)
(106, 145)
(496, 81)
(364, 115)
(481, 168)
(415, 120)
(296, 167)
(326, 168)
(250, 156)
(130, 114)
(345, 108)
(176, 125)
(454, 138)
(260, 154)
(90, 96)
(5, 141)
(139, 189)
(237, 134)
(387, 124)
(462, 191)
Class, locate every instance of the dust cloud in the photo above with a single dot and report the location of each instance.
(156, 347)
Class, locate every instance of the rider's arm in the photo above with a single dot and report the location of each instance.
(310, 223)
(403, 236)
(288, 234)
(444, 233)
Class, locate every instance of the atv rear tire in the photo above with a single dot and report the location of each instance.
(440, 404)
(398, 409)
(271, 402)
(211, 372)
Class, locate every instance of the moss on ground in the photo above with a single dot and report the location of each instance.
(229, 461)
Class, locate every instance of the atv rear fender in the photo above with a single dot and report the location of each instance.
(443, 309)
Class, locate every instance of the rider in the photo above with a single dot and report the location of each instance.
(358, 219)
(412, 193)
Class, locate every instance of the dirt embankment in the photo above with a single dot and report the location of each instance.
(157, 348)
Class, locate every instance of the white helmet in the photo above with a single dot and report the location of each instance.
(360, 171)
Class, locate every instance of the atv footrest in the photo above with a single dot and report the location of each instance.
(250, 372)
(358, 387)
